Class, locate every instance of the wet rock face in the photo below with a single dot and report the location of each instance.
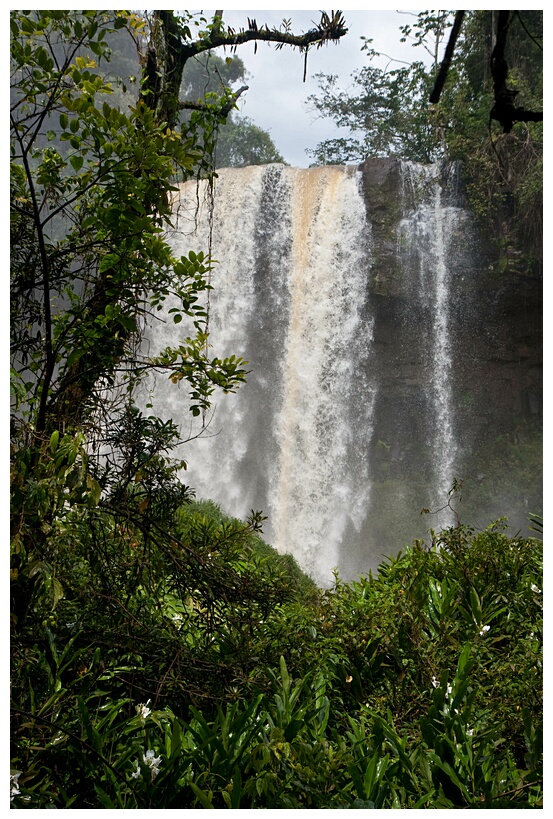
(494, 362)
(495, 320)
(383, 188)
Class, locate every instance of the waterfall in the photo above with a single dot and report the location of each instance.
(319, 483)
(340, 287)
(290, 293)
(426, 236)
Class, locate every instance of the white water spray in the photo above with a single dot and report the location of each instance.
(428, 233)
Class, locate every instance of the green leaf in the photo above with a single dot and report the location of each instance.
(176, 738)
(91, 733)
(103, 797)
(57, 592)
(27, 26)
(463, 662)
(202, 796)
(94, 488)
(54, 439)
(236, 789)
(76, 162)
(284, 674)
(475, 606)
(129, 323)
(292, 729)
(74, 357)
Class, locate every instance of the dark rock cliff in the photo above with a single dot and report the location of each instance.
(494, 326)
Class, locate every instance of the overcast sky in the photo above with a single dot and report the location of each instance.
(276, 99)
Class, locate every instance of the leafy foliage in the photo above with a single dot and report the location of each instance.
(387, 115)
(95, 211)
(416, 688)
(241, 142)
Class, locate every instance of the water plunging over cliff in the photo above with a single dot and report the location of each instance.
(341, 288)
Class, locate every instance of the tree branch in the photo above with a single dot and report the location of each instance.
(202, 106)
(446, 62)
(330, 29)
(504, 110)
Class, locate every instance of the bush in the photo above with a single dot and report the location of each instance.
(417, 687)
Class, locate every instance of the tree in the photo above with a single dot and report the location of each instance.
(95, 492)
(388, 113)
(504, 109)
(239, 141)
(96, 210)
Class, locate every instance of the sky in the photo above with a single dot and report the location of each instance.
(277, 96)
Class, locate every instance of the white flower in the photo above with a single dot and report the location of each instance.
(143, 711)
(435, 682)
(153, 762)
(137, 774)
(484, 630)
(535, 588)
(14, 785)
(470, 732)
(449, 690)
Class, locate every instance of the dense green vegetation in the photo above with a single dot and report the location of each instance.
(420, 687)
(162, 654)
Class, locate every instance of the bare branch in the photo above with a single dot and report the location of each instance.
(446, 62)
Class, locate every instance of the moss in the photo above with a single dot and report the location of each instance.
(506, 479)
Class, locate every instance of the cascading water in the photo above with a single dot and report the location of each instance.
(289, 296)
(341, 288)
(426, 236)
(320, 483)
